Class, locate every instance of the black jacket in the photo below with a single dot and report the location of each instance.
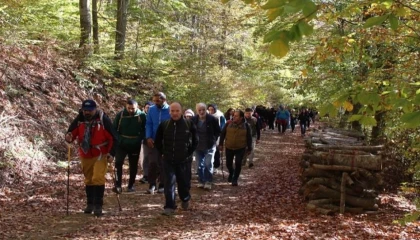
(213, 129)
(176, 140)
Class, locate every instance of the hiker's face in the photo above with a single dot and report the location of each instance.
(146, 108)
(131, 109)
(158, 101)
(89, 114)
(201, 111)
(211, 110)
(237, 118)
(175, 111)
(248, 115)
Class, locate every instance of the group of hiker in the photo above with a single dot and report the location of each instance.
(170, 138)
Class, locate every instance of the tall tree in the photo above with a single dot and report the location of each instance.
(85, 23)
(95, 25)
(121, 28)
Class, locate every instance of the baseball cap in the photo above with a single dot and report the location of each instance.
(88, 105)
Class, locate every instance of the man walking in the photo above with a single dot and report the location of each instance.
(176, 139)
(130, 125)
(255, 133)
(158, 113)
(97, 138)
(208, 132)
(236, 135)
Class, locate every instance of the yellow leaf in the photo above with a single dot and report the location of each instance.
(338, 59)
(305, 72)
(279, 48)
(348, 106)
(337, 104)
(351, 40)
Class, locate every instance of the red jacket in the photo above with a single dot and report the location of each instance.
(103, 137)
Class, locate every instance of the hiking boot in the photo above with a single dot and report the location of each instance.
(168, 212)
(250, 165)
(151, 190)
(235, 183)
(185, 205)
(230, 177)
(97, 211)
(207, 186)
(143, 180)
(117, 190)
(89, 209)
(131, 189)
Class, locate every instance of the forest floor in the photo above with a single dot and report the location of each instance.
(265, 205)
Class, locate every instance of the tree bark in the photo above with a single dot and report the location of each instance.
(95, 26)
(121, 28)
(343, 193)
(85, 23)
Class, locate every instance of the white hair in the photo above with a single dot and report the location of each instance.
(199, 105)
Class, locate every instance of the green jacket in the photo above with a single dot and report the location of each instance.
(130, 129)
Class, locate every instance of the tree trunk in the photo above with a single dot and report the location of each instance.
(85, 24)
(95, 26)
(121, 28)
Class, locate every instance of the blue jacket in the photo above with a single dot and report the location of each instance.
(282, 114)
(154, 117)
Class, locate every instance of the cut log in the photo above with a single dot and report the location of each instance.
(335, 185)
(371, 162)
(349, 133)
(320, 210)
(371, 149)
(331, 141)
(312, 172)
(321, 191)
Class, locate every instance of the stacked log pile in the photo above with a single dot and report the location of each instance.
(340, 172)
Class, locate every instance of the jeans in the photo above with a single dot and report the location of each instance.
(133, 162)
(302, 127)
(180, 174)
(250, 157)
(238, 154)
(205, 160)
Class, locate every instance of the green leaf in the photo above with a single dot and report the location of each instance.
(417, 99)
(368, 98)
(305, 28)
(225, 1)
(355, 118)
(411, 120)
(309, 10)
(279, 48)
(328, 109)
(367, 121)
(273, 4)
(393, 20)
(294, 34)
(373, 21)
(274, 34)
(274, 13)
(290, 9)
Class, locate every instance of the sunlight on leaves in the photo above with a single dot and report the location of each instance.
(279, 48)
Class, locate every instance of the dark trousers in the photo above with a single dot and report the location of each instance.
(293, 125)
(302, 128)
(133, 162)
(238, 155)
(271, 124)
(155, 166)
(180, 174)
(283, 124)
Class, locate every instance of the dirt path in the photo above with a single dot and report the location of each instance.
(265, 205)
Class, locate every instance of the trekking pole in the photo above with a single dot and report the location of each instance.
(114, 178)
(68, 176)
